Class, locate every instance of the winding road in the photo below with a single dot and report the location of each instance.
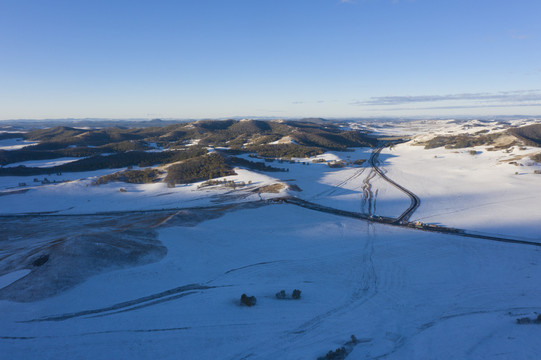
(415, 201)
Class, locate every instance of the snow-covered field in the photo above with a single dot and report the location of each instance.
(14, 144)
(44, 163)
(79, 196)
(402, 293)
(493, 191)
(477, 192)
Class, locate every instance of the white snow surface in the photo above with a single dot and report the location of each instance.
(45, 163)
(11, 277)
(80, 196)
(481, 192)
(404, 294)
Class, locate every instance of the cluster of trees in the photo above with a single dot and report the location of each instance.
(254, 165)
(200, 168)
(144, 176)
(285, 150)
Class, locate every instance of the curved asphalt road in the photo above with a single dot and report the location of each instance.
(415, 201)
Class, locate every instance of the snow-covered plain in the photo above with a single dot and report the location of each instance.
(403, 293)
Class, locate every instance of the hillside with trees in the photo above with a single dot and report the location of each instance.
(120, 147)
(204, 167)
(530, 134)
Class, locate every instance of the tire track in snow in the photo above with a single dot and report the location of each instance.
(131, 304)
(367, 202)
(365, 281)
(340, 185)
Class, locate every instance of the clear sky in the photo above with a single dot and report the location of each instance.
(276, 58)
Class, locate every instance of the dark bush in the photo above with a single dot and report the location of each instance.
(247, 300)
(338, 354)
(296, 294)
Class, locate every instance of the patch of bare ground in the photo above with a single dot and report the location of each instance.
(273, 188)
(505, 141)
(520, 157)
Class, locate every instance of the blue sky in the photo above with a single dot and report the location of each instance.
(224, 58)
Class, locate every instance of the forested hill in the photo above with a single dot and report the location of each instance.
(117, 146)
(232, 133)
